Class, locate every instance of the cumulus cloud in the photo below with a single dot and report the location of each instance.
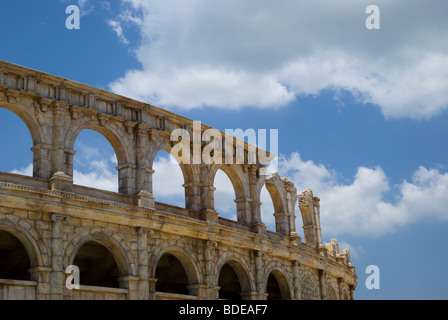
(26, 171)
(360, 208)
(98, 176)
(232, 53)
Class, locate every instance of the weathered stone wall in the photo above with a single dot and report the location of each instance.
(58, 222)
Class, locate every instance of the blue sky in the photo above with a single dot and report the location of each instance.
(361, 114)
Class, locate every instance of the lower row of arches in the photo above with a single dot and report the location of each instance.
(174, 273)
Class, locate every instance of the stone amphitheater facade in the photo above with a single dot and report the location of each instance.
(127, 245)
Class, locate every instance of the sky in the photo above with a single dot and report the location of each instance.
(361, 113)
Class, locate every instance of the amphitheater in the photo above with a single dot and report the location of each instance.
(128, 246)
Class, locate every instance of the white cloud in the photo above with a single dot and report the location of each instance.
(234, 53)
(98, 176)
(359, 208)
(27, 171)
(168, 181)
(116, 27)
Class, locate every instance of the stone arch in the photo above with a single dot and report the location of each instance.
(113, 132)
(274, 185)
(159, 143)
(238, 179)
(236, 176)
(241, 270)
(190, 271)
(187, 175)
(37, 129)
(28, 115)
(115, 244)
(331, 293)
(31, 241)
(283, 282)
(309, 289)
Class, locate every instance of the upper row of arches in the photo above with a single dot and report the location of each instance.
(98, 152)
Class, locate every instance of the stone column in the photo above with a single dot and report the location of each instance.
(57, 253)
(130, 283)
(259, 270)
(42, 275)
(257, 223)
(59, 179)
(208, 212)
(282, 223)
(208, 270)
(192, 197)
(152, 288)
(323, 292)
(243, 209)
(296, 279)
(57, 159)
(142, 268)
(352, 292)
(126, 178)
(291, 197)
(143, 172)
(340, 288)
(42, 160)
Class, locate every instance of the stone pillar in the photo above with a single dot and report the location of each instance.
(291, 197)
(57, 159)
(126, 178)
(59, 180)
(210, 289)
(130, 283)
(42, 160)
(143, 172)
(310, 216)
(340, 288)
(323, 292)
(259, 270)
(142, 268)
(282, 223)
(243, 209)
(208, 212)
(57, 254)
(257, 223)
(152, 288)
(296, 279)
(352, 292)
(316, 205)
(42, 276)
(192, 197)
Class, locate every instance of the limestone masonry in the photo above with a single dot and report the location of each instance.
(126, 244)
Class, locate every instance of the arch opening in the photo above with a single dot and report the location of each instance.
(277, 287)
(19, 159)
(267, 209)
(224, 196)
(168, 180)
(14, 260)
(97, 265)
(230, 287)
(171, 275)
(95, 161)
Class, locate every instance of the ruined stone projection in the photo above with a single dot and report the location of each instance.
(59, 240)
